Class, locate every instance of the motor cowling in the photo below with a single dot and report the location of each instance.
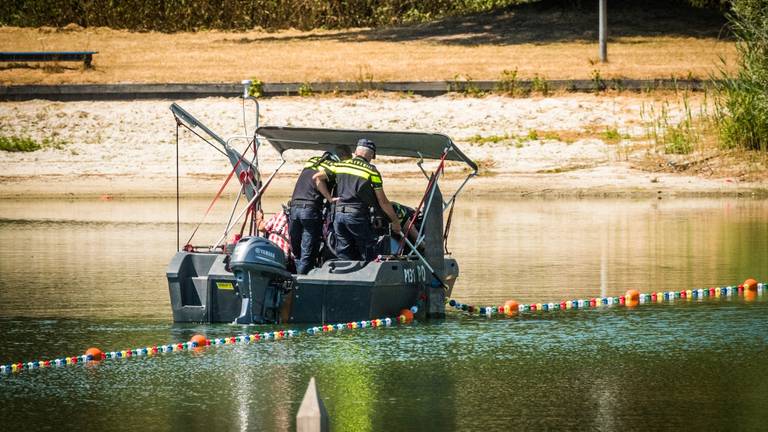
(250, 252)
(260, 273)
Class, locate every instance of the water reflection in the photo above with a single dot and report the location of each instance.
(81, 273)
(107, 259)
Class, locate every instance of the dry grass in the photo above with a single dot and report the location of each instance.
(349, 55)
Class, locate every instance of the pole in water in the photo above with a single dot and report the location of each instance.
(603, 30)
(312, 416)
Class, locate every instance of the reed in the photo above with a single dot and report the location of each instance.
(680, 134)
(742, 103)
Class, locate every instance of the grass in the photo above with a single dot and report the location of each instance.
(671, 136)
(16, 144)
(406, 53)
(613, 136)
(305, 90)
(490, 139)
(532, 135)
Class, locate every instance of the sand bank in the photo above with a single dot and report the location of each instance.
(530, 146)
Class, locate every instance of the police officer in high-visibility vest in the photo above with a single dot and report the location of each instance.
(306, 220)
(358, 188)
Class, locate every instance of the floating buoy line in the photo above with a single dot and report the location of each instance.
(750, 289)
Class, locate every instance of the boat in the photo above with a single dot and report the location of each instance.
(246, 279)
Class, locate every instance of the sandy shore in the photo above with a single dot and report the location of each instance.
(544, 146)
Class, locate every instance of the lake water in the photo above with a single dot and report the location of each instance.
(82, 273)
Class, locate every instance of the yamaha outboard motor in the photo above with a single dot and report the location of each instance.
(262, 279)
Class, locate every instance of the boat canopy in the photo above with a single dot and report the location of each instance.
(405, 144)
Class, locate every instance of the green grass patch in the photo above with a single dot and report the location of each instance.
(17, 144)
(612, 135)
(305, 90)
(490, 139)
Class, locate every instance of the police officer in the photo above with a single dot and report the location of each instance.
(306, 220)
(358, 187)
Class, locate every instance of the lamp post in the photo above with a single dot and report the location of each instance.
(603, 31)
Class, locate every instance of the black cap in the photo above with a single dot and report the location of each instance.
(365, 142)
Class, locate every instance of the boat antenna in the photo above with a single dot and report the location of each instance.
(247, 95)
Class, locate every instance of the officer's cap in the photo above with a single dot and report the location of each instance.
(365, 142)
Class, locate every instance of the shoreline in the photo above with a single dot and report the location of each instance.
(637, 185)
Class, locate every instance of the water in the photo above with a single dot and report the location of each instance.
(75, 274)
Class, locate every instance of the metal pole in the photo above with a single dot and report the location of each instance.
(178, 228)
(603, 31)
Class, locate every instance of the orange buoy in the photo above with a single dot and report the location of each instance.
(750, 295)
(632, 298)
(95, 354)
(750, 285)
(407, 314)
(511, 307)
(199, 340)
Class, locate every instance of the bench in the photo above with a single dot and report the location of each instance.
(84, 56)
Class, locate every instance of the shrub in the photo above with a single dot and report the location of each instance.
(742, 105)
(18, 144)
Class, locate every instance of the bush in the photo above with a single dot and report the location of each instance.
(185, 15)
(18, 144)
(742, 112)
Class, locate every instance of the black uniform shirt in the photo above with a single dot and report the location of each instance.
(305, 191)
(356, 182)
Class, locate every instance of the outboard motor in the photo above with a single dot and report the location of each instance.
(260, 273)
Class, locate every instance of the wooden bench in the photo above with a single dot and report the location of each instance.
(44, 56)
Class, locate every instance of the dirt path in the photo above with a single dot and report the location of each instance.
(532, 146)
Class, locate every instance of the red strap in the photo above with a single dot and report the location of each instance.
(423, 198)
(215, 198)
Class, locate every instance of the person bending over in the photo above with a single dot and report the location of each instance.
(358, 188)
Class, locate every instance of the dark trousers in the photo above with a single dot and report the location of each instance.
(305, 230)
(354, 237)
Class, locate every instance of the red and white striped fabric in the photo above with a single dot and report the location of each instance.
(276, 229)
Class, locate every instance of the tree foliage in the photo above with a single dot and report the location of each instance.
(190, 15)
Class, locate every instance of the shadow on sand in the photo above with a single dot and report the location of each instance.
(543, 22)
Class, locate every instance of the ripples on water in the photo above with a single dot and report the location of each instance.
(92, 273)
